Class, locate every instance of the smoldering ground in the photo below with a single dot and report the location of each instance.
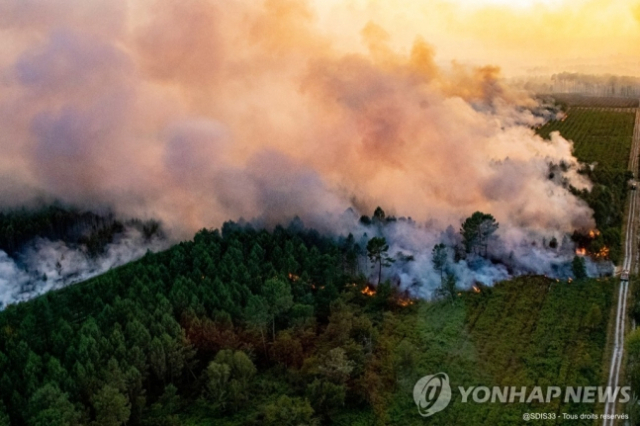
(202, 111)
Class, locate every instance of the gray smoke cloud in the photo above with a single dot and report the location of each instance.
(199, 112)
(515, 252)
(46, 265)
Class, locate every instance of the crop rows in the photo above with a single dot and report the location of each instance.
(575, 100)
(525, 332)
(601, 136)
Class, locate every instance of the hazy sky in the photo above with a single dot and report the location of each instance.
(591, 36)
(520, 36)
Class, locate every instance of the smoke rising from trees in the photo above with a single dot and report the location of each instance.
(199, 112)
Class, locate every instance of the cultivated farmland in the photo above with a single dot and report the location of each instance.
(576, 100)
(599, 135)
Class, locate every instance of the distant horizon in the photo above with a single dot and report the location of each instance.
(596, 36)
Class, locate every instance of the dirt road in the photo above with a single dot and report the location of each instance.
(629, 265)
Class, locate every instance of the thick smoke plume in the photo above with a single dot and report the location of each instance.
(202, 111)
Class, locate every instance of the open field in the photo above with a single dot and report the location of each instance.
(530, 331)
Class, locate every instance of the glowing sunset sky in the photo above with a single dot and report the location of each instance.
(543, 36)
(590, 36)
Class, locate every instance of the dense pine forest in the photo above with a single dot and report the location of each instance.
(243, 326)
(58, 222)
(198, 321)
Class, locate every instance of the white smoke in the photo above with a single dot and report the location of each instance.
(512, 253)
(46, 265)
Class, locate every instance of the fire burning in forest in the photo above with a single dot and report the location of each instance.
(591, 244)
(293, 277)
(404, 302)
(369, 291)
(603, 253)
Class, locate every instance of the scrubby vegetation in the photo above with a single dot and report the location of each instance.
(530, 331)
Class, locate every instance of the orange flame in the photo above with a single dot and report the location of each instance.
(581, 251)
(368, 291)
(293, 277)
(603, 253)
(405, 302)
(476, 289)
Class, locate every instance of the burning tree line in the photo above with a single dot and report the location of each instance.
(476, 233)
(469, 253)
